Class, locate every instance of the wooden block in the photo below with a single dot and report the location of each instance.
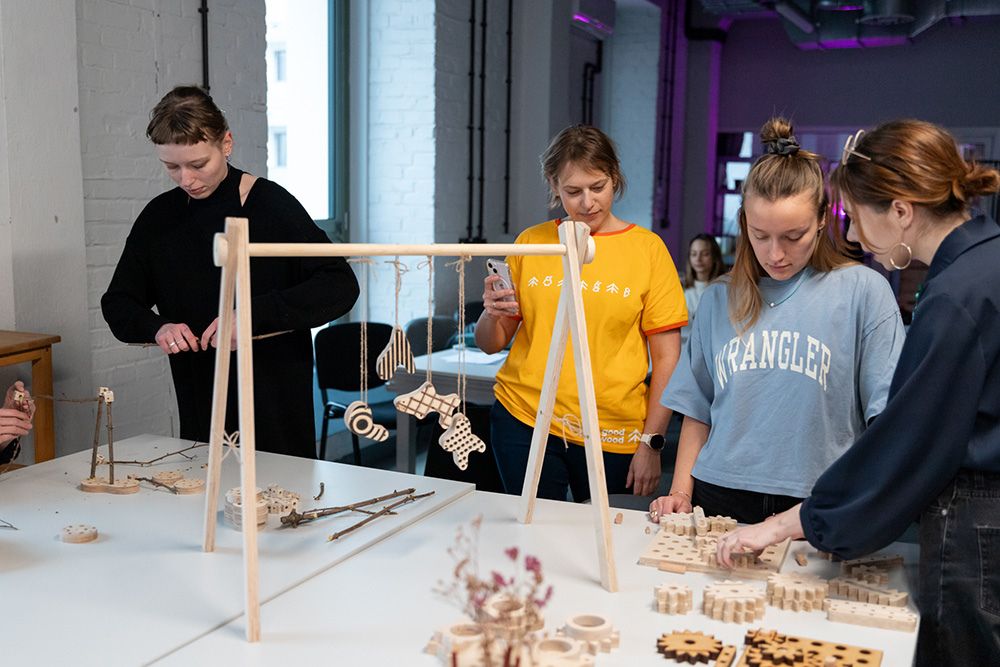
(871, 575)
(618, 518)
(666, 566)
(189, 486)
(93, 484)
(647, 530)
(796, 592)
(121, 487)
(700, 523)
(733, 602)
(884, 562)
(767, 648)
(726, 656)
(871, 615)
(78, 534)
(697, 553)
(801, 560)
(673, 599)
(690, 647)
(168, 477)
(860, 591)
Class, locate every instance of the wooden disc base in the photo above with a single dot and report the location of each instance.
(121, 487)
(78, 534)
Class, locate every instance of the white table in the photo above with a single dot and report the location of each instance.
(145, 587)
(444, 374)
(378, 609)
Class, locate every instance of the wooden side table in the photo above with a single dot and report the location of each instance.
(17, 347)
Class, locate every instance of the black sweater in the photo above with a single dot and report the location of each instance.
(943, 412)
(167, 263)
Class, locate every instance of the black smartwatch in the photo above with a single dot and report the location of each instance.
(654, 441)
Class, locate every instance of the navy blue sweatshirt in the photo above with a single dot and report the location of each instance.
(943, 412)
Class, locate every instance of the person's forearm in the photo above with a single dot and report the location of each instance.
(491, 336)
(694, 435)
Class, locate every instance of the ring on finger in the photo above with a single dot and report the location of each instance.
(172, 344)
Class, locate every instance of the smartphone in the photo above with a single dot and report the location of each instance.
(498, 267)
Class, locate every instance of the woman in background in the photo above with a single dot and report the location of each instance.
(167, 264)
(703, 266)
(934, 452)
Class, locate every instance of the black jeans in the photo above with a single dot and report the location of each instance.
(744, 506)
(960, 574)
(564, 465)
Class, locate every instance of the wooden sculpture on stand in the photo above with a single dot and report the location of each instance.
(233, 251)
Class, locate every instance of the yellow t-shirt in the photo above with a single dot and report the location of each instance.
(630, 291)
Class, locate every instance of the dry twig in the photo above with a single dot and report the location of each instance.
(294, 518)
(385, 510)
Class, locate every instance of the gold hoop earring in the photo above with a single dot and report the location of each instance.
(909, 256)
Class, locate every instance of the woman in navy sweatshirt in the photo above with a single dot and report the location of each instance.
(934, 452)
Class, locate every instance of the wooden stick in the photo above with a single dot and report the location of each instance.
(237, 230)
(220, 394)
(391, 249)
(294, 518)
(111, 446)
(260, 337)
(153, 482)
(588, 406)
(384, 510)
(160, 458)
(97, 441)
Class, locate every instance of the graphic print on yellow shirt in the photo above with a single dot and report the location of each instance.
(630, 290)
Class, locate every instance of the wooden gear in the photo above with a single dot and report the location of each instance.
(733, 602)
(796, 592)
(673, 599)
(689, 647)
(593, 630)
(232, 253)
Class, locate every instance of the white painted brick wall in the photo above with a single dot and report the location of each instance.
(632, 75)
(401, 167)
(131, 52)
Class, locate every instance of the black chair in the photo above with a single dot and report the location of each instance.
(473, 309)
(338, 366)
(443, 329)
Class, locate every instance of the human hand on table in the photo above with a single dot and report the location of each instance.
(491, 299)
(174, 338)
(643, 472)
(759, 536)
(15, 416)
(672, 504)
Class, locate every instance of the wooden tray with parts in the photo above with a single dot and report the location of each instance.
(697, 553)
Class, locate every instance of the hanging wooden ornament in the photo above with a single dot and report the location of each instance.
(358, 415)
(459, 438)
(424, 399)
(397, 353)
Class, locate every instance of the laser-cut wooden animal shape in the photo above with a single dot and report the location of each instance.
(396, 353)
(424, 400)
(460, 440)
(358, 418)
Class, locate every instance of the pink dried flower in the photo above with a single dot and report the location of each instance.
(498, 579)
(532, 564)
(511, 553)
(543, 601)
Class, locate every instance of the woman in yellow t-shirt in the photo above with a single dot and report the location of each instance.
(634, 308)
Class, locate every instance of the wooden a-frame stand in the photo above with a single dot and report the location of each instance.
(233, 251)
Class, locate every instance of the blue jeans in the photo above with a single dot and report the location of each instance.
(565, 466)
(740, 504)
(960, 574)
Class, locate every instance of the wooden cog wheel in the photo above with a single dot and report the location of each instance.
(690, 647)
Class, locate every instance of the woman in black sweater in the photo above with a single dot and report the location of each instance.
(167, 263)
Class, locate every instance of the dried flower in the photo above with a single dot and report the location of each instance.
(511, 553)
(532, 564)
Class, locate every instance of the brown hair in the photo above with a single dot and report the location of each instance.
(912, 161)
(784, 170)
(586, 146)
(186, 115)
(717, 266)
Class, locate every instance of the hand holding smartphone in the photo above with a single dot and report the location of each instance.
(500, 268)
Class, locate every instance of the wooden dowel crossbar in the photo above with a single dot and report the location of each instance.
(233, 252)
(393, 249)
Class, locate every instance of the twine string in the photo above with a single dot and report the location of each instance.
(363, 313)
(400, 270)
(429, 263)
(459, 265)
